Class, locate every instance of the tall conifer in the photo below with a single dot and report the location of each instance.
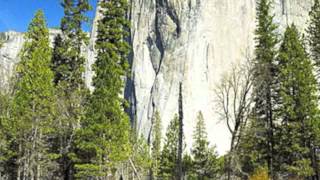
(103, 141)
(156, 145)
(169, 154)
(298, 107)
(68, 65)
(314, 44)
(263, 91)
(314, 34)
(34, 103)
(204, 158)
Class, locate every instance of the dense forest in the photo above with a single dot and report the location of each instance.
(53, 127)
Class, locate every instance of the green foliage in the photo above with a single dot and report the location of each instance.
(205, 161)
(298, 106)
(1, 43)
(248, 154)
(141, 156)
(68, 66)
(52, 127)
(156, 144)
(34, 102)
(263, 85)
(188, 167)
(6, 136)
(314, 33)
(68, 63)
(103, 142)
(169, 154)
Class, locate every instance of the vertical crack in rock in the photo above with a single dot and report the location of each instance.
(283, 5)
(207, 62)
(130, 96)
(130, 91)
(159, 41)
(169, 9)
(173, 15)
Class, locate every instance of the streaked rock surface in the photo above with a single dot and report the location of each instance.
(189, 41)
(193, 42)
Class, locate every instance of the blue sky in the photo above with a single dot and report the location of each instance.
(16, 14)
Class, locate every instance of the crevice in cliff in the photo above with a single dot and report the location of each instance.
(158, 38)
(149, 138)
(171, 12)
(174, 17)
(163, 9)
(283, 6)
(130, 97)
(129, 90)
(207, 62)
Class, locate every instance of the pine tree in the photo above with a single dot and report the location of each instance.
(314, 34)
(68, 66)
(298, 106)
(103, 142)
(34, 103)
(156, 144)
(204, 157)
(168, 167)
(247, 151)
(141, 156)
(263, 91)
(188, 167)
(314, 44)
(169, 154)
(68, 62)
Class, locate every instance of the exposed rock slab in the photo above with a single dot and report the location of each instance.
(189, 41)
(193, 42)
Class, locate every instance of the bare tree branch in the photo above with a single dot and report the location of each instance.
(234, 103)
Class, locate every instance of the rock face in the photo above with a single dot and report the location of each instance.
(189, 41)
(9, 53)
(193, 42)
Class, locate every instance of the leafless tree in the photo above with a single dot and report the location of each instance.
(234, 104)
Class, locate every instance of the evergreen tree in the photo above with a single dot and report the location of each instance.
(314, 43)
(247, 151)
(68, 62)
(298, 106)
(169, 154)
(263, 91)
(34, 103)
(314, 34)
(68, 66)
(188, 167)
(141, 156)
(204, 157)
(156, 144)
(103, 142)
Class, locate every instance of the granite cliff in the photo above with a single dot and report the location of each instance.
(189, 41)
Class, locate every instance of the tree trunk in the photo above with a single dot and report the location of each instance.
(229, 160)
(19, 172)
(270, 132)
(314, 161)
(179, 159)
